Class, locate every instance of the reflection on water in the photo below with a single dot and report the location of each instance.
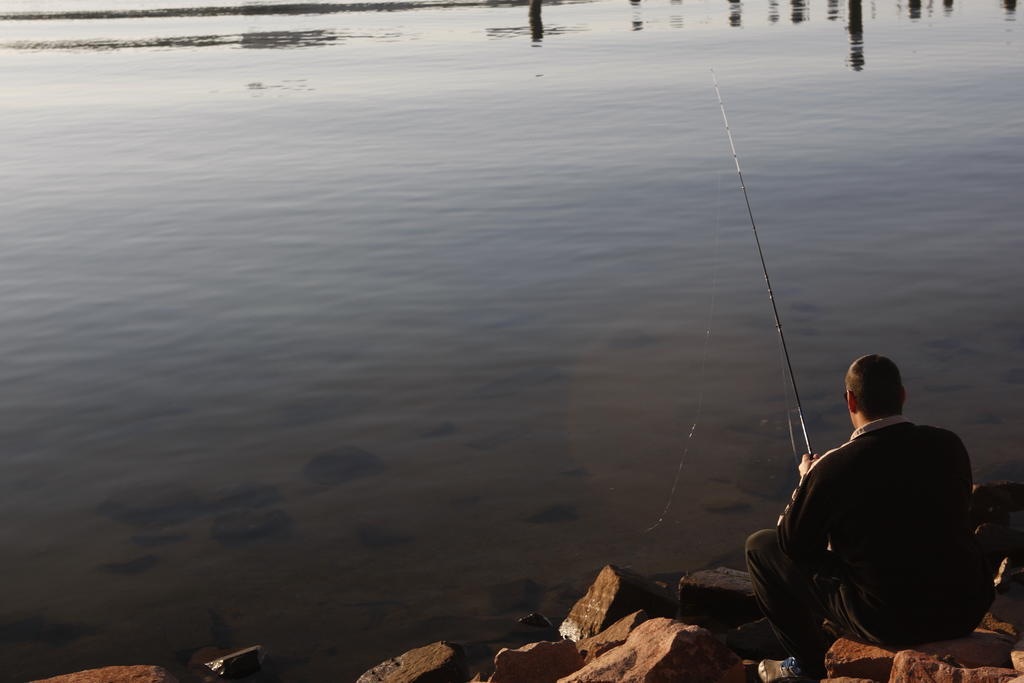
(856, 28)
(263, 40)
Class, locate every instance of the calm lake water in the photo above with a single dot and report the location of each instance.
(345, 328)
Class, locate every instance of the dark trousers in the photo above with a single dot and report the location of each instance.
(795, 602)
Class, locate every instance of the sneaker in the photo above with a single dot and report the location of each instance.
(775, 671)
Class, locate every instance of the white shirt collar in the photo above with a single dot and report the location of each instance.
(878, 424)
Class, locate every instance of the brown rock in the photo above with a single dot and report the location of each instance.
(849, 657)
(1017, 655)
(613, 636)
(755, 640)
(990, 622)
(664, 651)
(440, 662)
(1008, 572)
(847, 679)
(1008, 607)
(721, 595)
(910, 666)
(543, 662)
(993, 502)
(116, 674)
(615, 593)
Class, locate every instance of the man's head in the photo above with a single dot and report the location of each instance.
(874, 389)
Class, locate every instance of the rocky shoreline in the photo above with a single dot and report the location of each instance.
(708, 629)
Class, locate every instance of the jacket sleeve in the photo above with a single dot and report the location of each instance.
(803, 526)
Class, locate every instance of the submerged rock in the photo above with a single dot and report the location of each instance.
(615, 593)
(554, 514)
(341, 466)
(154, 506)
(246, 526)
(993, 502)
(136, 566)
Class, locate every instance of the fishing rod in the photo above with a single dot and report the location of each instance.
(767, 280)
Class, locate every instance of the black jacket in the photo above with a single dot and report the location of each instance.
(893, 503)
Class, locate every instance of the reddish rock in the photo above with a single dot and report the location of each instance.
(116, 674)
(721, 595)
(910, 666)
(847, 679)
(664, 651)
(853, 658)
(615, 593)
(543, 662)
(613, 636)
(440, 662)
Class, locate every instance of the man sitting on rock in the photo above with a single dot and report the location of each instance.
(876, 538)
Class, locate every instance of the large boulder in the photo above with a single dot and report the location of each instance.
(615, 593)
(848, 657)
(613, 636)
(664, 651)
(543, 662)
(720, 595)
(439, 662)
(910, 666)
(116, 674)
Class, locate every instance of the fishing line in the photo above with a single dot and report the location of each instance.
(764, 268)
(703, 364)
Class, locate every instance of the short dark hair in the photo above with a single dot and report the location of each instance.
(876, 384)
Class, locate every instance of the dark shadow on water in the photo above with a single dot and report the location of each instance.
(136, 566)
(341, 466)
(39, 629)
(554, 514)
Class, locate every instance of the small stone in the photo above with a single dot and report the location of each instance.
(535, 619)
(990, 622)
(440, 662)
(664, 650)
(115, 674)
(910, 666)
(611, 637)
(543, 662)
(237, 664)
(718, 595)
(1007, 573)
(755, 640)
(615, 593)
